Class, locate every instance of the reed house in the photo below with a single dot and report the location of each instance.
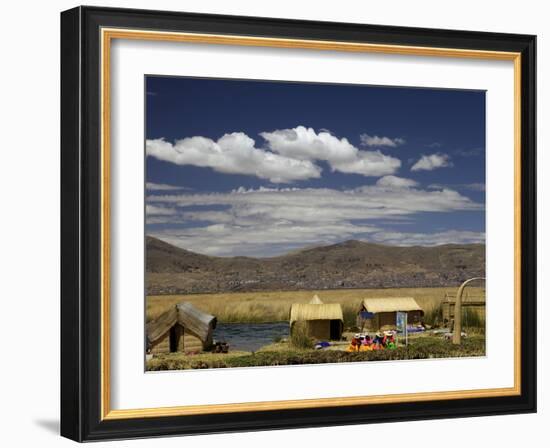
(381, 313)
(323, 321)
(182, 328)
(471, 303)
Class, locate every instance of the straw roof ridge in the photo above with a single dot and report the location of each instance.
(316, 300)
(158, 327)
(195, 320)
(309, 311)
(390, 304)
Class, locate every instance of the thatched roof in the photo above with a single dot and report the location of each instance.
(390, 304)
(187, 316)
(156, 328)
(195, 320)
(316, 300)
(309, 311)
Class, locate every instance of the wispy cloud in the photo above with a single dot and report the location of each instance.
(267, 221)
(429, 239)
(432, 162)
(151, 186)
(376, 141)
(474, 186)
(396, 182)
(155, 210)
(469, 152)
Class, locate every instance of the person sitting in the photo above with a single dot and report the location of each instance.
(391, 342)
(354, 344)
(377, 343)
(366, 344)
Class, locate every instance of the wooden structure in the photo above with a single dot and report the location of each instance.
(457, 321)
(323, 321)
(473, 302)
(182, 328)
(381, 313)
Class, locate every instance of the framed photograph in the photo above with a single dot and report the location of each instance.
(276, 224)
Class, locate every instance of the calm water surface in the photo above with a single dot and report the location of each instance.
(250, 337)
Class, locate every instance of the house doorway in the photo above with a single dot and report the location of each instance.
(335, 330)
(175, 335)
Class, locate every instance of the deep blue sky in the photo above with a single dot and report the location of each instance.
(447, 123)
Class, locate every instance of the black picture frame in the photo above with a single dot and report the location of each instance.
(81, 224)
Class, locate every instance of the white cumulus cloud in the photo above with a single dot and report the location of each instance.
(432, 162)
(233, 154)
(290, 155)
(305, 144)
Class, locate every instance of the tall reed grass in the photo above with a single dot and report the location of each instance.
(299, 336)
(272, 306)
(433, 316)
(472, 319)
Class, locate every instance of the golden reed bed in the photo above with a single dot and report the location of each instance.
(275, 305)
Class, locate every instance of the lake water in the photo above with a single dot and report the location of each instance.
(250, 337)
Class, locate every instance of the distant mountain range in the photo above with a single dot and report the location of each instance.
(350, 264)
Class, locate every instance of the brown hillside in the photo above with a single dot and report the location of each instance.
(350, 264)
